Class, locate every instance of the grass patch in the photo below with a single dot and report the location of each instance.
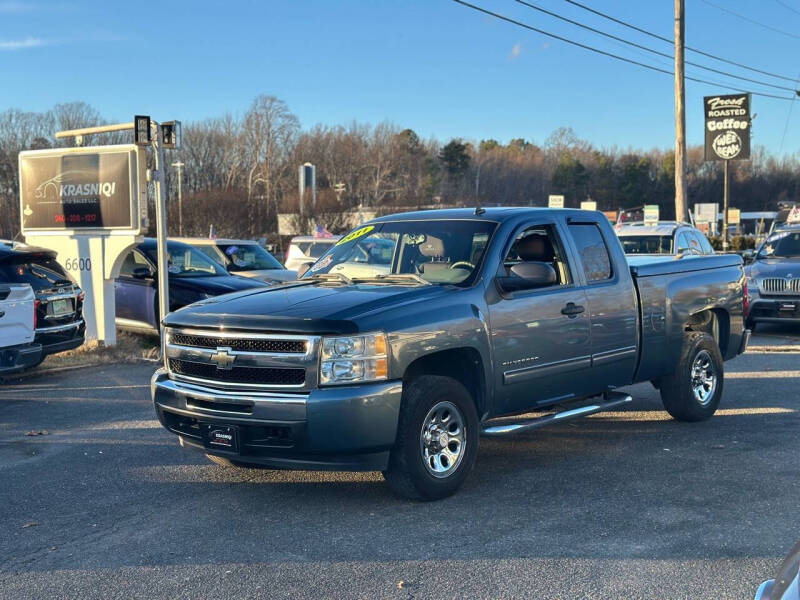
(130, 348)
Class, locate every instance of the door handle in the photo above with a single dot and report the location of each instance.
(572, 310)
(2, 313)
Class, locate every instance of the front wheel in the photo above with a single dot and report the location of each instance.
(437, 439)
(693, 391)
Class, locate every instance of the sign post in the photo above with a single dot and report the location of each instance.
(90, 206)
(727, 126)
(87, 205)
(555, 201)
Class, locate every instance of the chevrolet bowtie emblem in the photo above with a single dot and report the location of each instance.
(223, 359)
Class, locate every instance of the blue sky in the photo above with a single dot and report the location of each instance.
(432, 65)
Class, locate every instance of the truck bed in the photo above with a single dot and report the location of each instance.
(672, 293)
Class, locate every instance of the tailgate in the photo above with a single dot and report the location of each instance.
(16, 314)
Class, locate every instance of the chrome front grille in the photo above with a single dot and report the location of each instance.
(269, 346)
(780, 285)
(241, 361)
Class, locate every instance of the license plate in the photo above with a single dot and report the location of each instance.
(61, 307)
(221, 437)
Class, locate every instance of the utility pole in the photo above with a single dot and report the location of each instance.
(725, 211)
(680, 114)
(178, 166)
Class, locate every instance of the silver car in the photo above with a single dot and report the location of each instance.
(663, 238)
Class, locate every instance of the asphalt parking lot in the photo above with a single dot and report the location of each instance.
(99, 501)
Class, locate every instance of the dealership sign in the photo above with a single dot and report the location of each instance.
(81, 189)
(727, 120)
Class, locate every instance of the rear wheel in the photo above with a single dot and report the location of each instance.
(694, 390)
(437, 439)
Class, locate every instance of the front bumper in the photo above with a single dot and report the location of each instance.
(336, 428)
(774, 310)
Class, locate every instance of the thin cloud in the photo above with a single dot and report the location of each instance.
(516, 50)
(28, 42)
(34, 42)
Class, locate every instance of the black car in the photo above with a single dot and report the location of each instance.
(58, 315)
(193, 276)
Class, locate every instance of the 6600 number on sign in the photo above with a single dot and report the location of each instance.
(78, 264)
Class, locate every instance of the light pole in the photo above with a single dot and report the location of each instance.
(178, 166)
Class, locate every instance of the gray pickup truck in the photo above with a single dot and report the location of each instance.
(416, 333)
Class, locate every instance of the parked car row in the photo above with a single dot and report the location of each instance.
(42, 308)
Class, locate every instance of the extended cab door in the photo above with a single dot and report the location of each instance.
(612, 304)
(541, 337)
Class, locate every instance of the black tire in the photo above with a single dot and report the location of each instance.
(690, 398)
(227, 462)
(449, 410)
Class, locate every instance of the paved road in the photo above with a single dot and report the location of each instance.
(621, 505)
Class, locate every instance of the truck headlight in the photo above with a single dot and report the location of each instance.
(353, 359)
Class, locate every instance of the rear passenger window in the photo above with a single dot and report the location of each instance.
(704, 243)
(593, 251)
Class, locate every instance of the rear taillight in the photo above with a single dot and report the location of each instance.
(36, 304)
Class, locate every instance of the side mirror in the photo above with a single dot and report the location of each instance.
(303, 269)
(142, 273)
(528, 276)
(748, 256)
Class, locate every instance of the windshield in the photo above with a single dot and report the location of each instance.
(646, 244)
(185, 261)
(248, 257)
(439, 252)
(781, 245)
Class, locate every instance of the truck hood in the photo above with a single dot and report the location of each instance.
(300, 307)
(774, 267)
(269, 275)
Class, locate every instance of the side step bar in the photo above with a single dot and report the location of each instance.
(610, 400)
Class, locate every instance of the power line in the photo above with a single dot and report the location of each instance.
(603, 52)
(783, 4)
(753, 21)
(670, 42)
(651, 50)
(788, 118)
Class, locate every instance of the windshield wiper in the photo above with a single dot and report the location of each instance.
(331, 277)
(396, 278)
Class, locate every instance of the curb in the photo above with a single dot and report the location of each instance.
(775, 349)
(55, 370)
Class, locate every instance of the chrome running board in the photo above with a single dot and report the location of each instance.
(610, 400)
